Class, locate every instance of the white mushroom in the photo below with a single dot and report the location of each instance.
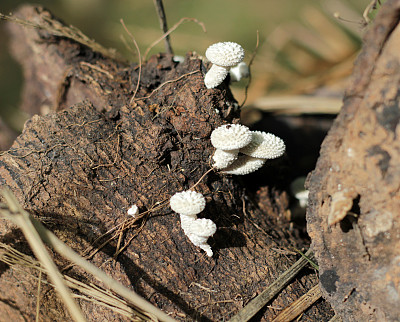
(238, 72)
(224, 158)
(178, 59)
(231, 137)
(198, 231)
(188, 203)
(299, 192)
(223, 56)
(244, 165)
(133, 211)
(264, 145)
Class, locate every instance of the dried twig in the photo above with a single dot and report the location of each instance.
(139, 57)
(371, 6)
(336, 318)
(268, 294)
(165, 83)
(38, 296)
(253, 55)
(171, 30)
(299, 306)
(163, 25)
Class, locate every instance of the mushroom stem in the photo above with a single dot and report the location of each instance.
(215, 76)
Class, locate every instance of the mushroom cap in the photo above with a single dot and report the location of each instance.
(203, 227)
(198, 231)
(224, 158)
(231, 137)
(245, 165)
(226, 54)
(215, 76)
(238, 72)
(264, 145)
(188, 203)
(133, 210)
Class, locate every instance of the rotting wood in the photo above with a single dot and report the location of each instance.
(82, 166)
(353, 214)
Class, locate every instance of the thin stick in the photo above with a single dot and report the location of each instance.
(49, 238)
(38, 296)
(268, 294)
(371, 6)
(139, 57)
(21, 218)
(202, 177)
(253, 55)
(299, 306)
(336, 318)
(165, 83)
(163, 25)
(171, 30)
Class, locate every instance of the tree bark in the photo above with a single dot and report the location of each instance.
(80, 168)
(354, 207)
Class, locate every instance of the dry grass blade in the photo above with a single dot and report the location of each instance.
(15, 211)
(38, 296)
(299, 104)
(21, 218)
(171, 30)
(139, 57)
(299, 306)
(268, 294)
(56, 28)
(19, 261)
(165, 83)
(253, 55)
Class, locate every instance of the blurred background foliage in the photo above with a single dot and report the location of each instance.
(303, 47)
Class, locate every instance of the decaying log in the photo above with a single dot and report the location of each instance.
(100, 150)
(354, 207)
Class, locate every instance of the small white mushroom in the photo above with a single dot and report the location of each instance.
(224, 158)
(264, 145)
(188, 203)
(238, 72)
(231, 137)
(223, 56)
(198, 231)
(244, 165)
(133, 211)
(299, 192)
(178, 59)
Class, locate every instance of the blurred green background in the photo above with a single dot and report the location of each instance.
(302, 46)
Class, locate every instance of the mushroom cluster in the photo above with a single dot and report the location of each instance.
(188, 204)
(223, 56)
(241, 151)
